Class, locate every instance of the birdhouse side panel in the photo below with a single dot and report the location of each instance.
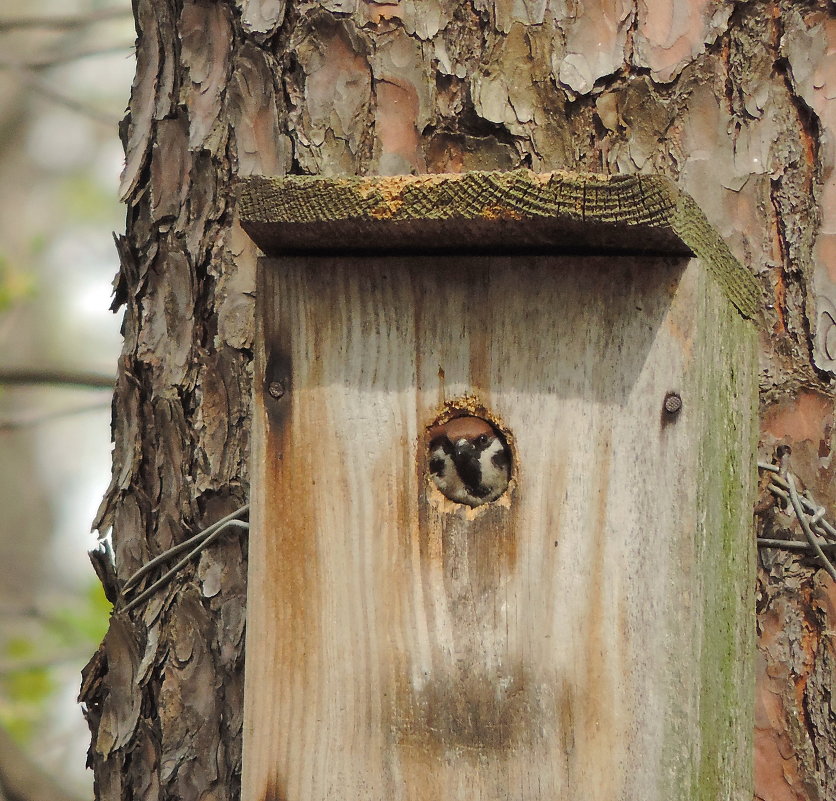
(725, 382)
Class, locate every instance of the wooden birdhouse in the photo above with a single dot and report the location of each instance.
(502, 485)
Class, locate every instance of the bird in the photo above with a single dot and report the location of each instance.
(470, 462)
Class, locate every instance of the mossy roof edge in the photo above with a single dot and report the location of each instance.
(623, 202)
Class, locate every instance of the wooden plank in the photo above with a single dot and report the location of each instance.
(586, 636)
(490, 211)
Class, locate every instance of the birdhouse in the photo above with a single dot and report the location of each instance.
(502, 484)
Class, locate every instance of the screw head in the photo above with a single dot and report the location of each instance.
(275, 389)
(673, 403)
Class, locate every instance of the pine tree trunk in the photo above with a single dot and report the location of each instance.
(732, 100)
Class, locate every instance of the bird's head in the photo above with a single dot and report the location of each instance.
(469, 460)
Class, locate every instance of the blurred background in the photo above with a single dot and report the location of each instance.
(65, 74)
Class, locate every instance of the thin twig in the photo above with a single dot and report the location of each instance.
(66, 22)
(776, 490)
(12, 424)
(802, 518)
(77, 378)
(63, 58)
(779, 487)
(34, 81)
(168, 575)
(37, 663)
(819, 515)
(783, 453)
(182, 546)
(794, 545)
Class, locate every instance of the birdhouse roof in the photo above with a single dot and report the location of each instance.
(490, 212)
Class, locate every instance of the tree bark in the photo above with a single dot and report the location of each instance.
(731, 100)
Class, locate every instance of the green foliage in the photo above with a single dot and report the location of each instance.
(84, 622)
(14, 284)
(23, 691)
(31, 663)
(84, 200)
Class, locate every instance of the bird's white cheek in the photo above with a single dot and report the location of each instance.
(447, 479)
(494, 477)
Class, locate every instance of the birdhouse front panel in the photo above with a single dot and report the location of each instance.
(499, 544)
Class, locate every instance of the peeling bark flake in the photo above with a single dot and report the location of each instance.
(595, 39)
(671, 33)
(255, 114)
(261, 16)
(152, 94)
(120, 711)
(206, 42)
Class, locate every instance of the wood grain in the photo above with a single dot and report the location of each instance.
(490, 210)
(558, 643)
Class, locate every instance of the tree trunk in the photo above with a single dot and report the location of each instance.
(732, 100)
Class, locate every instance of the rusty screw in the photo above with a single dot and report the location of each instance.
(275, 389)
(673, 403)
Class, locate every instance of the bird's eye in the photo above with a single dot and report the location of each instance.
(482, 439)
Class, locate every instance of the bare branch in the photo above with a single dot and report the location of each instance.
(14, 423)
(794, 545)
(805, 525)
(37, 663)
(19, 376)
(780, 488)
(50, 93)
(62, 58)
(66, 22)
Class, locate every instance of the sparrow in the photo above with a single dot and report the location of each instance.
(469, 460)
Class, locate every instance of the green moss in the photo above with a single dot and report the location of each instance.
(725, 555)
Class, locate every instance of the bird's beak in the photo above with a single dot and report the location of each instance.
(464, 449)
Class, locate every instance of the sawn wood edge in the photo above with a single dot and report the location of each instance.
(490, 211)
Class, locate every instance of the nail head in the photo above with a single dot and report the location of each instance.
(673, 402)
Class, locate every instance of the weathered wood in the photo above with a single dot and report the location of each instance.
(489, 211)
(589, 635)
(734, 102)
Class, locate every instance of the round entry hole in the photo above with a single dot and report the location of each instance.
(469, 460)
